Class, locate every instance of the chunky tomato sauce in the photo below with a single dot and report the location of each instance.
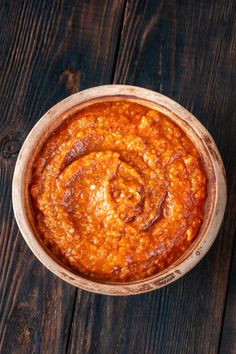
(118, 191)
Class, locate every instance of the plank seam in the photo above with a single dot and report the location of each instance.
(120, 31)
(71, 321)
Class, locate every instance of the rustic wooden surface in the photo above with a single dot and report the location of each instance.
(52, 48)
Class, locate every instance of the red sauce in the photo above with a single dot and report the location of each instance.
(118, 191)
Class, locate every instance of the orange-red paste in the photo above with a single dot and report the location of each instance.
(118, 191)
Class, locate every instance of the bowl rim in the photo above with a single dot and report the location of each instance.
(172, 109)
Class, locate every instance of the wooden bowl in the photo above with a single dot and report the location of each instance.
(216, 186)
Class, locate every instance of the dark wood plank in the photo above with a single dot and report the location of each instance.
(48, 50)
(186, 50)
(228, 337)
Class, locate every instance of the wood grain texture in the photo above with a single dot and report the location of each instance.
(48, 50)
(228, 336)
(186, 50)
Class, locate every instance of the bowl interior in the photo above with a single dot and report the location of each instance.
(34, 142)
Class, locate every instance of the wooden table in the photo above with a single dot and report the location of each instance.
(50, 49)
